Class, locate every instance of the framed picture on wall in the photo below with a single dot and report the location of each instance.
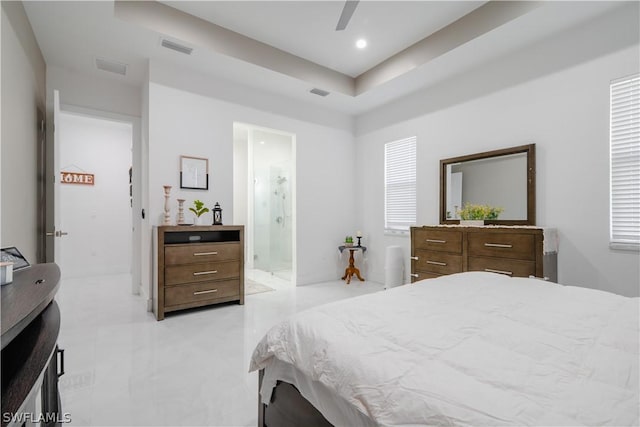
(194, 173)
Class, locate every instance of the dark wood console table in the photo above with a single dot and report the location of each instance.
(30, 329)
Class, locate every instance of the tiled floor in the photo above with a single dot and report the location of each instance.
(276, 281)
(125, 368)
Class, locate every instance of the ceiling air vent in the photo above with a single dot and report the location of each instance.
(176, 46)
(111, 66)
(319, 92)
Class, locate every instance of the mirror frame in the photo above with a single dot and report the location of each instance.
(529, 149)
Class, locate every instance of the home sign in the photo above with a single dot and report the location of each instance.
(76, 178)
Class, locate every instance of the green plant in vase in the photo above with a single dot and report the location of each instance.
(476, 212)
(198, 209)
(348, 241)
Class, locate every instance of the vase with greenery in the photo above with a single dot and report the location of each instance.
(198, 210)
(479, 213)
(348, 241)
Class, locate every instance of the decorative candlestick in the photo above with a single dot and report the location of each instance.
(167, 210)
(359, 236)
(181, 211)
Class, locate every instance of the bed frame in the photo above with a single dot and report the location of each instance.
(288, 408)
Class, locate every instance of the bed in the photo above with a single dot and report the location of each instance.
(465, 349)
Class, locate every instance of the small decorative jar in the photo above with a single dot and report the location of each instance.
(6, 273)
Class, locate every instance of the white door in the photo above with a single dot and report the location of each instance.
(56, 233)
(95, 212)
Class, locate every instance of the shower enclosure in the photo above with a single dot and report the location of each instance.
(272, 203)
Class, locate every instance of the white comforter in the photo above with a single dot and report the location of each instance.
(471, 349)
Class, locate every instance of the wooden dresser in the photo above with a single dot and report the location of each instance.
(440, 250)
(198, 266)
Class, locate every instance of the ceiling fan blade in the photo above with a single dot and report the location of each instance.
(347, 12)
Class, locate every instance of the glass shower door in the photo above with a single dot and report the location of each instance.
(273, 220)
(280, 229)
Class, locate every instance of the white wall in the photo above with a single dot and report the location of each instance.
(23, 91)
(251, 97)
(112, 99)
(241, 177)
(182, 122)
(96, 93)
(564, 110)
(146, 240)
(97, 217)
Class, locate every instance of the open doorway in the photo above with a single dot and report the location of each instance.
(264, 200)
(96, 198)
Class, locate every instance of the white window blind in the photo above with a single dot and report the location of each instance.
(625, 162)
(400, 184)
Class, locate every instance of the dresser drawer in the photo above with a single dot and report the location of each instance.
(502, 245)
(438, 240)
(200, 253)
(436, 262)
(511, 267)
(174, 275)
(195, 292)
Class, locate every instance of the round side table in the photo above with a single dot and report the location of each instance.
(351, 270)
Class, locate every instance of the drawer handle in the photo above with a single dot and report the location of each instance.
(490, 270)
(205, 253)
(436, 241)
(202, 273)
(415, 275)
(61, 353)
(437, 263)
(205, 292)
(415, 258)
(497, 245)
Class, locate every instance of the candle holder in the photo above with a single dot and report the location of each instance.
(181, 211)
(167, 209)
(359, 237)
(217, 214)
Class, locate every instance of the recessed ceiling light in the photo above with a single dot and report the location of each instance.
(262, 142)
(361, 44)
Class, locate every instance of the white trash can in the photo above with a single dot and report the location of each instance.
(393, 267)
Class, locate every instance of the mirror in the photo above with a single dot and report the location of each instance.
(501, 178)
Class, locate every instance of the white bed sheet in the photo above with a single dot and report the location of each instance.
(466, 349)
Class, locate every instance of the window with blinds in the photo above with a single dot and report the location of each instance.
(400, 185)
(625, 163)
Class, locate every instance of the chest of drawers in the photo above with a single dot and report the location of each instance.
(198, 266)
(437, 250)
